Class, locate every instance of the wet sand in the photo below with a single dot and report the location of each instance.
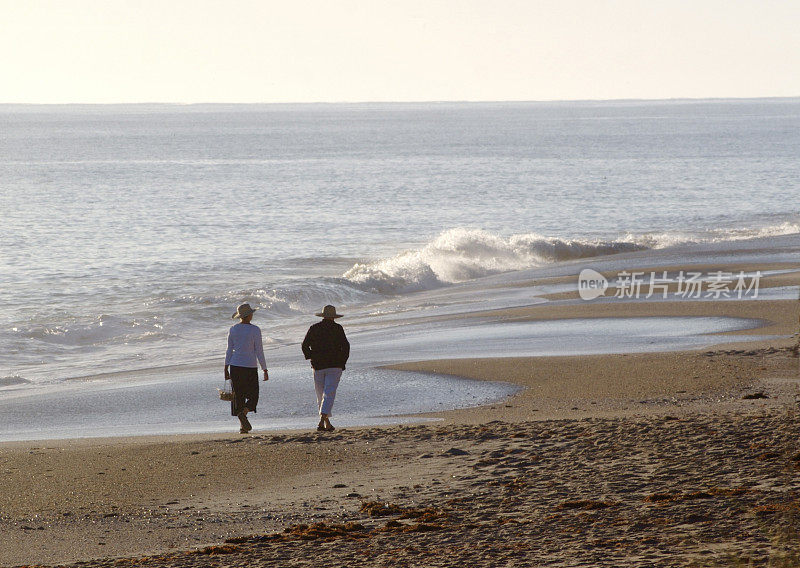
(664, 459)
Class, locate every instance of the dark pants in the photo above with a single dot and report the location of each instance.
(245, 389)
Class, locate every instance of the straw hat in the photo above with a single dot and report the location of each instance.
(329, 312)
(243, 311)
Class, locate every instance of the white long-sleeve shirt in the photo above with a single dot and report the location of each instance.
(245, 348)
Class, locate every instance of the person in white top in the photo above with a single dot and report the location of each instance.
(245, 352)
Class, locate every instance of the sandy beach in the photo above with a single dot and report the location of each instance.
(649, 459)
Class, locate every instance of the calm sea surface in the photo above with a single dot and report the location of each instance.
(130, 233)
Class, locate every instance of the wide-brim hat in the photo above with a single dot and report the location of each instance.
(329, 312)
(243, 311)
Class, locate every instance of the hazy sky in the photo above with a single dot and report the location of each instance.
(103, 51)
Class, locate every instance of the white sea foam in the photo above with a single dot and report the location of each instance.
(291, 297)
(461, 254)
(104, 329)
(716, 235)
(299, 297)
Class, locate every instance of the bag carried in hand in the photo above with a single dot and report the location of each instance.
(226, 393)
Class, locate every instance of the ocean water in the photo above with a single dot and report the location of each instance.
(130, 233)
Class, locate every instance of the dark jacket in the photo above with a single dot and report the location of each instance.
(326, 345)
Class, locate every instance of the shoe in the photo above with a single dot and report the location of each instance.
(243, 431)
(329, 428)
(320, 428)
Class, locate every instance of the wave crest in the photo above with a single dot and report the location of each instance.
(714, 235)
(103, 330)
(462, 254)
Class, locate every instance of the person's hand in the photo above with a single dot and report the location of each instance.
(266, 375)
(227, 374)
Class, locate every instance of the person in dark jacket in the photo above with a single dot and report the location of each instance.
(327, 347)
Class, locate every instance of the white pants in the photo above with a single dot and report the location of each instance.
(325, 383)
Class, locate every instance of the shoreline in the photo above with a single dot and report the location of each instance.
(99, 499)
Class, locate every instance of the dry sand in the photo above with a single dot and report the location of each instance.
(668, 459)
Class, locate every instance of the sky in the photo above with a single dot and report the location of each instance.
(247, 51)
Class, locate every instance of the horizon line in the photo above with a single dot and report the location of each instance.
(388, 102)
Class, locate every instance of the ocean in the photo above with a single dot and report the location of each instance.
(130, 233)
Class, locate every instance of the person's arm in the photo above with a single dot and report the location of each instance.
(306, 345)
(228, 355)
(259, 347)
(344, 347)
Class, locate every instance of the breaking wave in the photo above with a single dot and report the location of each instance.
(461, 254)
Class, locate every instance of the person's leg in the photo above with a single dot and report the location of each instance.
(332, 377)
(250, 399)
(244, 424)
(241, 392)
(319, 387)
(251, 392)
